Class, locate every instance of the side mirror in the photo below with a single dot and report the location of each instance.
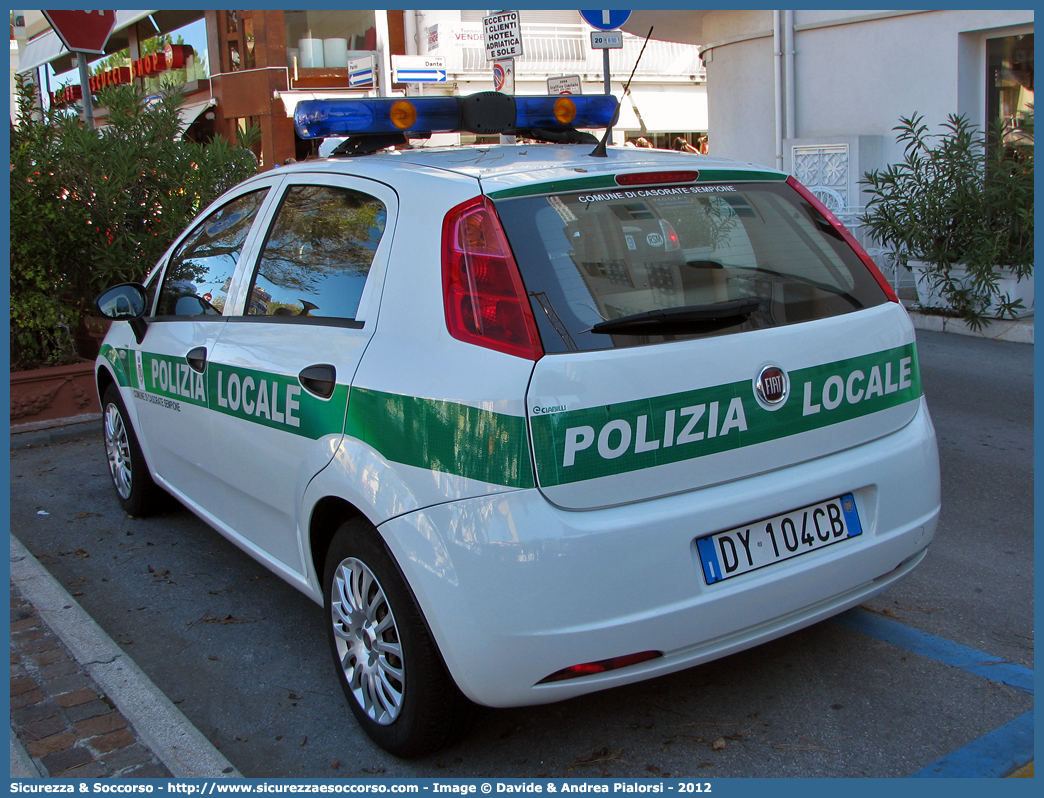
(125, 302)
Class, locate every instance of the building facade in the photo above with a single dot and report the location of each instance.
(260, 64)
(817, 92)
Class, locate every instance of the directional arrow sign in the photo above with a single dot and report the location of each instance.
(605, 20)
(360, 72)
(357, 79)
(83, 31)
(418, 69)
(420, 76)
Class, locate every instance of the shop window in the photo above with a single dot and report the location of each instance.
(249, 61)
(318, 254)
(328, 39)
(1009, 87)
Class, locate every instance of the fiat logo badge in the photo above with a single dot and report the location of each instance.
(772, 387)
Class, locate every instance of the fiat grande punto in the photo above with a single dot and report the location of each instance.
(529, 420)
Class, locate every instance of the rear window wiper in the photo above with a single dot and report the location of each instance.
(698, 317)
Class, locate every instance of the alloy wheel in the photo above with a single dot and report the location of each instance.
(117, 448)
(367, 640)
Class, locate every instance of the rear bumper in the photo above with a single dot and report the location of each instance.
(515, 589)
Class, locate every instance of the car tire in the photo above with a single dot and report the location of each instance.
(137, 493)
(386, 660)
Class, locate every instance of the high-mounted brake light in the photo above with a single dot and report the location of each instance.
(486, 303)
(485, 112)
(589, 668)
(813, 200)
(650, 178)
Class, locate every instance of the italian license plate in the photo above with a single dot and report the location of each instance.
(772, 540)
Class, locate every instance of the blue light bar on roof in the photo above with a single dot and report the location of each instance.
(315, 119)
(571, 111)
(485, 112)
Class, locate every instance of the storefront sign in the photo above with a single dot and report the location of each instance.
(174, 56)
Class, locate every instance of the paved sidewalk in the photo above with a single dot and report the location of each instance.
(80, 707)
(62, 722)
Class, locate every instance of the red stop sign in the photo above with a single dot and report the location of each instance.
(83, 31)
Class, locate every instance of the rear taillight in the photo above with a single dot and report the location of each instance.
(486, 303)
(847, 236)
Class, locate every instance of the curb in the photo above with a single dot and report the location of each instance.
(160, 725)
(1018, 331)
(68, 430)
(22, 765)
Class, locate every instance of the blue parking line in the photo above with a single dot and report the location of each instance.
(944, 651)
(994, 755)
(991, 756)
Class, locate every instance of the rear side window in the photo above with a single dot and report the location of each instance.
(318, 254)
(757, 249)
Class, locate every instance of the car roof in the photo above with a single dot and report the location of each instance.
(505, 166)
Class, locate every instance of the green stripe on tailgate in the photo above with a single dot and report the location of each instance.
(590, 443)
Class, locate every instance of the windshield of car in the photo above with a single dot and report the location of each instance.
(627, 268)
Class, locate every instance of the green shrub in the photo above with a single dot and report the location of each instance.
(91, 208)
(955, 200)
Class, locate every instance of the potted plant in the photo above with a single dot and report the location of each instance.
(90, 208)
(959, 212)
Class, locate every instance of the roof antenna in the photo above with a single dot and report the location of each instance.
(599, 151)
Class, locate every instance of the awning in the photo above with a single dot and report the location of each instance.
(677, 110)
(668, 26)
(190, 112)
(42, 50)
(47, 47)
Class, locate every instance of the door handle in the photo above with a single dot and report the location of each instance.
(197, 359)
(320, 379)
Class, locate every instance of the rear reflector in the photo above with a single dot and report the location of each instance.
(590, 668)
(813, 200)
(650, 178)
(486, 303)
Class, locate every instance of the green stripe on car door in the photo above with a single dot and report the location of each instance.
(443, 436)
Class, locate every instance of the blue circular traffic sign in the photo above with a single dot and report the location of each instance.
(605, 20)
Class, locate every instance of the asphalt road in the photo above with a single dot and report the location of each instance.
(244, 655)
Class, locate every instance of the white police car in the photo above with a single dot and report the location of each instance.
(532, 420)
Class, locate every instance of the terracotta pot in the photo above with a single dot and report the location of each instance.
(89, 335)
(48, 396)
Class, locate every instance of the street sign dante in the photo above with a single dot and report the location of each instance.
(83, 31)
(418, 68)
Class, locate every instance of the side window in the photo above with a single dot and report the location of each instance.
(200, 270)
(318, 254)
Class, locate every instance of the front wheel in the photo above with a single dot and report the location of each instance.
(137, 493)
(389, 667)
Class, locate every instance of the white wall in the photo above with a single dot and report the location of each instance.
(856, 72)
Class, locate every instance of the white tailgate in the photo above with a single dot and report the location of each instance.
(629, 424)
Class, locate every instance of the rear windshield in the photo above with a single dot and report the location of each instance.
(718, 259)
